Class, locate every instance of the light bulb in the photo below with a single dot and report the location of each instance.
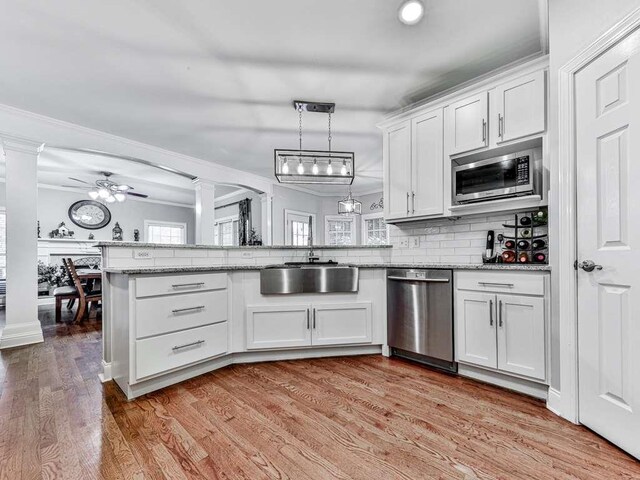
(120, 197)
(300, 168)
(411, 12)
(93, 194)
(103, 193)
(329, 169)
(315, 169)
(285, 168)
(343, 170)
(110, 199)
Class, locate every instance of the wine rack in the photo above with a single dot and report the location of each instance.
(529, 240)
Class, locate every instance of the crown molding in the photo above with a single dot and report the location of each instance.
(20, 144)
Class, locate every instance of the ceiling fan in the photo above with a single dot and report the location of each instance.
(107, 190)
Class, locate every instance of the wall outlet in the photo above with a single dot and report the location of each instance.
(142, 253)
(414, 241)
(247, 255)
(404, 242)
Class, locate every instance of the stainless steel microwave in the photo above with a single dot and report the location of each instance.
(507, 176)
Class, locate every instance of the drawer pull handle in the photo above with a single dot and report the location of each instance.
(493, 284)
(192, 344)
(183, 285)
(188, 309)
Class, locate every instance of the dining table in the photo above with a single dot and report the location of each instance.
(90, 275)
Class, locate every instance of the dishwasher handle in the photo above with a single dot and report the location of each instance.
(412, 279)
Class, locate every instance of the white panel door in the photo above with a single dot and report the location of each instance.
(466, 126)
(278, 326)
(521, 107)
(476, 328)
(341, 323)
(397, 170)
(427, 164)
(521, 335)
(608, 170)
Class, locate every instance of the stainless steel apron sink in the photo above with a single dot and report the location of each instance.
(308, 278)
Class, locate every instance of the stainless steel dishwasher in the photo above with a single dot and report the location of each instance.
(420, 316)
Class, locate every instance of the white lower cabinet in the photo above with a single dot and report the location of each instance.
(502, 331)
(278, 326)
(282, 326)
(521, 335)
(476, 329)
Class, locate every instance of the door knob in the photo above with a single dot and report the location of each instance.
(589, 266)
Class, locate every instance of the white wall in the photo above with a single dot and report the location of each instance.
(573, 25)
(53, 206)
(289, 199)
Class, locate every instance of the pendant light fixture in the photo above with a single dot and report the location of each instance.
(314, 166)
(349, 205)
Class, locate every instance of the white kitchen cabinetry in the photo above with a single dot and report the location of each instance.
(467, 124)
(397, 170)
(521, 335)
(520, 105)
(414, 167)
(501, 322)
(476, 328)
(283, 326)
(341, 323)
(278, 326)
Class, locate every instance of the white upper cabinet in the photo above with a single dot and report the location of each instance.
(427, 172)
(466, 124)
(520, 106)
(414, 167)
(397, 170)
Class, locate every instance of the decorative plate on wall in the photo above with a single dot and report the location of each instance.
(89, 214)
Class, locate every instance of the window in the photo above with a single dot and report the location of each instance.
(165, 232)
(374, 229)
(339, 230)
(225, 231)
(297, 228)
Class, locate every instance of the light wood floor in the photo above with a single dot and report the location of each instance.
(367, 417)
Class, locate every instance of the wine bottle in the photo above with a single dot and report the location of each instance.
(539, 244)
(523, 257)
(539, 257)
(525, 221)
(523, 245)
(511, 244)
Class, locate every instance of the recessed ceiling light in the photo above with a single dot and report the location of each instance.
(411, 12)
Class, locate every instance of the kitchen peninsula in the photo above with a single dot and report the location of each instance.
(172, 312)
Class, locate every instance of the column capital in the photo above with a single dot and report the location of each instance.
(200, 182)
(19, 144)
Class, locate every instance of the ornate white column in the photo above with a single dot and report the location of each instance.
(205, 211)
(21, 160)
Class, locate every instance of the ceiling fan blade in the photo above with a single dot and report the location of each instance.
(141, 195)
(78, 180)
(76, 186)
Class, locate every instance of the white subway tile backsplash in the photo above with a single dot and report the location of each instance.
(440, 236)
(454, 243)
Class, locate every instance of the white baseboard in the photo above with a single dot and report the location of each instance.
(105, 376)
(554, 401)
(386, 351)
(534, 389)
(19, 334)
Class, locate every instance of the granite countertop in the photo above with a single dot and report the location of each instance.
(248, 247)
(229, 268)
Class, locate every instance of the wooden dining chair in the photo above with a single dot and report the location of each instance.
(85, 298)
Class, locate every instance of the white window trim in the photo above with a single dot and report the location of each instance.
(363, 225)
(342, 218)
(229, 218)
(287, 230)
(148, 223)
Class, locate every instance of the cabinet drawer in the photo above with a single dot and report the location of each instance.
(166, 352)
(170, 313)
(175, 284)
(528, 283)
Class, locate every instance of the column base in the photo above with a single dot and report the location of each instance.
(21, 334)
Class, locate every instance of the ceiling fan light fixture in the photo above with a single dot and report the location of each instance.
(119, 196)
(411, 12)
(104, 193)
(110, 199)
(93, 194)
(123, 188)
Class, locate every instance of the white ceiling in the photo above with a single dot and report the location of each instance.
(215, 79)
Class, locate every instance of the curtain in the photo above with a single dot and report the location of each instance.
(244, 221)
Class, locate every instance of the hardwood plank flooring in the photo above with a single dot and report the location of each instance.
(337, 418)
